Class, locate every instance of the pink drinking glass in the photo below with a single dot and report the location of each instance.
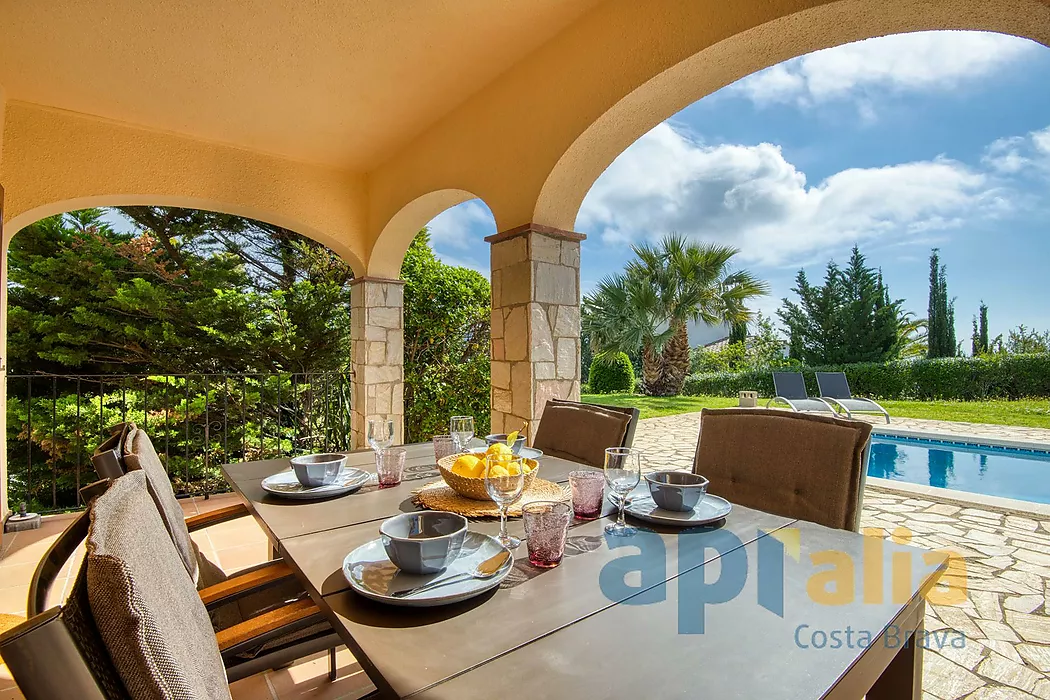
(546, 526)
(588, 489)
(390, 466)
(444, 445)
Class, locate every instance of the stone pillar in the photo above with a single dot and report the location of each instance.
(535, 323)
(377, 355)
(3, 358)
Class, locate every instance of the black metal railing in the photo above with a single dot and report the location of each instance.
(197, 422)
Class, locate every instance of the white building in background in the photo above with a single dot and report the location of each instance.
(703, 334)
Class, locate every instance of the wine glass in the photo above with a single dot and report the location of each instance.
(623, 471)
(504, 481)
(380, 433)
(462, 430)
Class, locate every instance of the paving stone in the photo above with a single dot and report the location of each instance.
(1036, 655)
(958, 620)
(989, 692)
(943, 509)
(1005, 648)
(1023, 603)
(1022, 523)
(987, 604)
(1032, 628)
(946, 679)
(1000, 669)
(968, 656)
(997, 630)
(998, 562)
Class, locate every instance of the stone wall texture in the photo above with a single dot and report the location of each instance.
(378, 355)
(535, 325)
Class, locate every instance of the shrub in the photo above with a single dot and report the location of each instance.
(953, 379)
(608, 377)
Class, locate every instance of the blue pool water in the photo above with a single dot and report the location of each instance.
(993, 471)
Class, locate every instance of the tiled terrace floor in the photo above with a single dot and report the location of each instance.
(1006, 619)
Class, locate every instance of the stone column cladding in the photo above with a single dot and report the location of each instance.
(535, 323)
(377, 355)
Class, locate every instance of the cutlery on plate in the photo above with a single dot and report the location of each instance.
(486, 569)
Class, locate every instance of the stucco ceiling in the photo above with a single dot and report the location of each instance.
(338, 82)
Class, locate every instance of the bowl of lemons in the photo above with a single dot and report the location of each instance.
(465, 472)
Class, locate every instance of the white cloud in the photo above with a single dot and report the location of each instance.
(921, 61)
(753, 198)
(458, 226)
(1015, 154)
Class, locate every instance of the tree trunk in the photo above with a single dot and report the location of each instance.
(676, 360)
(652, 370)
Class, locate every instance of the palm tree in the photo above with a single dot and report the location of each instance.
(648, 306)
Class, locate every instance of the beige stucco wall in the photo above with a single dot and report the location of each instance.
(55, 161)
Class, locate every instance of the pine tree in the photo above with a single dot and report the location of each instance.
(983, 328)
(940, 313)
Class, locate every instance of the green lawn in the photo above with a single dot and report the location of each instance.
(1031, 413)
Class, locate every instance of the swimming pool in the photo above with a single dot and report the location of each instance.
(1008, 472)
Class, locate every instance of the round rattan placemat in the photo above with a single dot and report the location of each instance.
(439, 496)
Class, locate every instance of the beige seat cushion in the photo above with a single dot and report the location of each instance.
(579, 432)
(147, 611)
(139, 454)
(791, 464)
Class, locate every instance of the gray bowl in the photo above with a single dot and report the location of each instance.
(317, 470)
(502, 437)
(675, 490)
(423, 543)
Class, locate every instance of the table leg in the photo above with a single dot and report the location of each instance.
(902, 679)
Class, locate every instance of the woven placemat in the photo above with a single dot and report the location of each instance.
(439, 496)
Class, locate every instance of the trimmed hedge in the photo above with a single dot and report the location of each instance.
(617, 375)
(954, 379)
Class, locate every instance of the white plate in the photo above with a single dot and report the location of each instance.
(370, 572)
(711, 509)
(285, 485)
(526, 452)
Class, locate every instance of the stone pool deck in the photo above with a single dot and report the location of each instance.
(1006, 618)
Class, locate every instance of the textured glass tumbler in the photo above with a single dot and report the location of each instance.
(390, 466)
(588, 489)
(444, 445)
(546, 526)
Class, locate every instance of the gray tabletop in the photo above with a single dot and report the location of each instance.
(620, 617)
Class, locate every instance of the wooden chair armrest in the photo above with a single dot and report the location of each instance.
(263, 626)
(246, 582)
(214, 517)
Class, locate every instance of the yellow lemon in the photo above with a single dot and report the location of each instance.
(467, 465)
(498, 449)
(498, 470)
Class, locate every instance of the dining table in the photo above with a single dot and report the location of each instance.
(757, 605)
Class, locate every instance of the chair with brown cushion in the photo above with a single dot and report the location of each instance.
(581, 432)
(134, 624)
(797, 465)
(252, 592)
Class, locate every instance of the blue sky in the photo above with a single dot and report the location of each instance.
(897, 144)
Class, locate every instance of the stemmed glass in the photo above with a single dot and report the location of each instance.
(462, 430)
(380, 433)
(504, 481)
(623, 471)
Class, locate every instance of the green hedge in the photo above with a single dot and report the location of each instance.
(606, 378)
(957, 379)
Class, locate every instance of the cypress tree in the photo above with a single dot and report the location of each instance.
(940, 313)
(975, 340)
(983, 328)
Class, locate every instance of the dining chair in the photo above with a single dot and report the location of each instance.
(797, 465)
(231, 600)
(581, 432)
(62, 653)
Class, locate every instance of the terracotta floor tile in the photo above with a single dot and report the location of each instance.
(309, 678)
(6, 681)
(15, 574)
(11, 694)
(251, 688)
(234, 558)
(13, 599)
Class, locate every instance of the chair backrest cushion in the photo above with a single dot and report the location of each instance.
(833, 385)
(139, 455)
(147, 611)
(631, 412)
(580, 432)
(790, 385)
(791, 464)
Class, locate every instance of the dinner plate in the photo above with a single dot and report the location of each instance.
(285, 485)
(524, 452)
(370, 572)
(711, 509)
